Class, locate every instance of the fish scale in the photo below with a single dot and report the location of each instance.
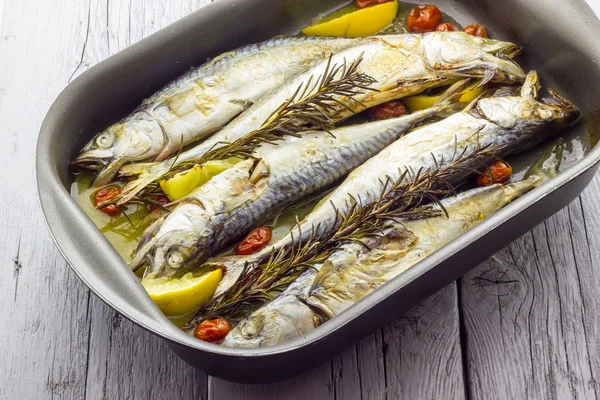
(201, 102)
(401, 65)
(356, 270)
(510, 124)
(229, 205)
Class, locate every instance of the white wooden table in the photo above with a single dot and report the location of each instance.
(525, 324)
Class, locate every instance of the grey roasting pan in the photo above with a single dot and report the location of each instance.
(559, 37)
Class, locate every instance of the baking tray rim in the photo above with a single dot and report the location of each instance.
(51, 189)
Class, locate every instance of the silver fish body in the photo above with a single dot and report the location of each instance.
(356, 270)
(253, 191)
(283, 319)
(512, 124)
(201, 102)
(402, 65)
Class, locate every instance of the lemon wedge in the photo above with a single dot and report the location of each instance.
(354, 22)
(181, 296)
(184, 183)
(423, 101)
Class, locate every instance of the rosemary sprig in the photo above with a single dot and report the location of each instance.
(401, 198)
(316, 104)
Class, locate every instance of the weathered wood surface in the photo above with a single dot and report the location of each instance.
(525, 324)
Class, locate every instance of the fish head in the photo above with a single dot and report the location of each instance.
(174, 248)
(526, 112)
(460, 55)
(282, 320)
(134, 139)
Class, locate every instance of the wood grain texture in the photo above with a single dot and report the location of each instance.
(528, 320)
(423, 351)
(44, 307)
(525, 318)
(62, 342)
(418, 356)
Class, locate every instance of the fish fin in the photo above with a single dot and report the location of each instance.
(135, 169)
(320, 314)
(168, 150)
(243, 104)
(107, 174)
(489, 75)
(145, 244)
(531, 86)
(562, 101)
(132, 188)
(510, 53)
(453, 93)
(233, 267)
(325, 270)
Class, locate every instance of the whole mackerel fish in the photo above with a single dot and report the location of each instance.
(401, 65)
(202, 101)
(252, 192)
(510, 123)
(356, 270)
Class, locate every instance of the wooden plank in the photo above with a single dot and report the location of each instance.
(418, 356)
(315, 385)
(585, 221)
(124, 360)
(359, 373)
(46, 350)
(423, 353)
(44, 308)
(533, 333)
(523, 316)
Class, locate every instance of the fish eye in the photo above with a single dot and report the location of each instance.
(175, 259)
(543, 113)
(250, 329)
(105, 140)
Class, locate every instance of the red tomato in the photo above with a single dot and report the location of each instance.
(367, 3)
(213, 331)
(424, 19)
(476, 30)
(500, 172)
(391, 109)
(162, 200)
(447, 27)
(254, 241)
(106, 194)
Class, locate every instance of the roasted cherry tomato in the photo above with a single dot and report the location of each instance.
(213, 330)
(105, 194)
(254, 241)
(423, 19)
(391, 109)
(447, 27)
(162, 200)
(476, 30)
(498, 172)
(368, 3)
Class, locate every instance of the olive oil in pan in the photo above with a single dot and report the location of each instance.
(117, 230)
(125, 238)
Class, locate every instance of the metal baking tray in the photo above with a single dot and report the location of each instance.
(566, 57)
